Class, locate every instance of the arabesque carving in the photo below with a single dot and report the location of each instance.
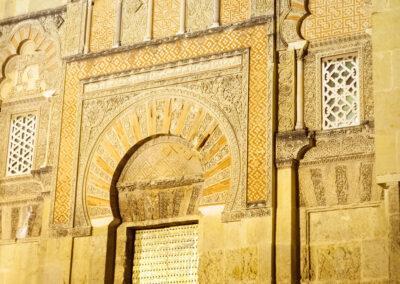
(291, 146)
(287, 102)
(193, 110)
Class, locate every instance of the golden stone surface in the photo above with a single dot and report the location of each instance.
(174, 157)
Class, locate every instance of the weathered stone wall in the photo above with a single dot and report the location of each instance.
(12, 8)
(386, 55)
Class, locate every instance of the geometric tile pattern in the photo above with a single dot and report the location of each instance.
(336, 18)
(21, 146)
(166, 255)
(166, 18)
(341, 99)
(251, 37)
(234, 11)
(103, 23)
(199, 14)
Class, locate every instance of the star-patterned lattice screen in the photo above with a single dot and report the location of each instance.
(166, 255)
(21, 145)
(340, 90)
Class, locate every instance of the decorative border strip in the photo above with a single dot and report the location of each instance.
(253, 22)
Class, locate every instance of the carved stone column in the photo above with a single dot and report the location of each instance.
(291, 147)
(300, 48)
(216, 14)
(48, 94)
(391, 185)
(118, 22)
(88, 27)
(291, 40)
(182, 18)
(149, 24)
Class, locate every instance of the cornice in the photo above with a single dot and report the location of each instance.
(33, 15)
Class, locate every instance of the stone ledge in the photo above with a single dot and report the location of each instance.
(33, 15)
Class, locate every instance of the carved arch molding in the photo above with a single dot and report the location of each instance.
(187, 139)
(30, 58)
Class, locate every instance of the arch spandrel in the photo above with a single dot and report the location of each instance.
(183, 117)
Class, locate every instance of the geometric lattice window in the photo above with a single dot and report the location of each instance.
(21, 145)
(166, 255)
(340, 89)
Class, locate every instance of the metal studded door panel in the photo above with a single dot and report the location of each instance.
(166, 255)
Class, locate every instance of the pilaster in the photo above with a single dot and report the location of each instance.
(291, 147)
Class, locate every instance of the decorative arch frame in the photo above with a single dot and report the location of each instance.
(31, 31)
(236, 195)
(238, 160)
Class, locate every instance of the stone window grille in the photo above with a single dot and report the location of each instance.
(21, 144)
(340, 91)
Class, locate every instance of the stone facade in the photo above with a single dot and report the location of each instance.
(208, 115)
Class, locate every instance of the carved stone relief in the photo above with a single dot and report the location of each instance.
(165, 18)
(233, 11)
(262, 7)
(72, 44)
(133, 26)
(199, 14)
(336, 183)
(193, 109)
(292, 145)
(286, 77)
(124, 59)
(103, 25)
(163, 179)
(31, 64)
(292, 14)
(23, 53)
(28, 189)
(313, 77)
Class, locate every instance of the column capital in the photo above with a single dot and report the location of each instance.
(291, 147)
(387, 181)
(300, 48)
